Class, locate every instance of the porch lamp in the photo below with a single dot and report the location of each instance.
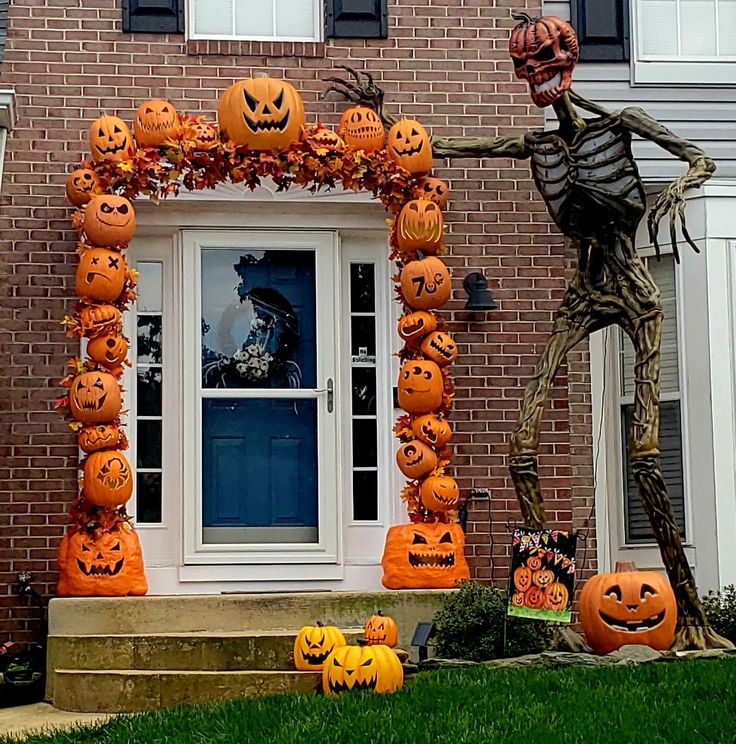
(479, 297)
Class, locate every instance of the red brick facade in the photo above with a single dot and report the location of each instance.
(444, 63)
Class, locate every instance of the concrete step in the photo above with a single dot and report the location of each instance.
(128, 691)
(210, 652)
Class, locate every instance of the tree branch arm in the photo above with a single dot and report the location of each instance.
(480, 147)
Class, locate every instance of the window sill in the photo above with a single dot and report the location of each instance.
(220, 48)
(675, 73)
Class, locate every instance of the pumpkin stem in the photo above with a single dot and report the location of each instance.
(524, 17)
(379, 613)
(320, 624)
(625, 567)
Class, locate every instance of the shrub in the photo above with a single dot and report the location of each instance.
(720, 609)
(470, 626)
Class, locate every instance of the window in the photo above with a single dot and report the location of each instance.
(636, 523)
(602, 27)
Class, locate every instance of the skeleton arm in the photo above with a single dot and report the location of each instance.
(480, 147)
(671, 200)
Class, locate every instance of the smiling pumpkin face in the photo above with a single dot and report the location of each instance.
(109, 139)
(556, 597)
(156, 123)
(362, 129)
(109, 220)
(81, 185)
(101, 275)
(109, 350)
(420, 386)
(415, 459)
(409, 145)
(434, 189)
(381, 630)
(522, 578)
(420, 227)
(440, 493)
(415, 326)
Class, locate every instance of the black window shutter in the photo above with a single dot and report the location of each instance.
(153, 16)
(357, 19)
(602, 27)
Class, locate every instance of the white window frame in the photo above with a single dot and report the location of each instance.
(676, 71)
(317, 30)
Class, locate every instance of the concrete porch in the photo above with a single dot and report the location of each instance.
(117, 655)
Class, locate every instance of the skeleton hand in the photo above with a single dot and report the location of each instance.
(363, 91)
(671, 202)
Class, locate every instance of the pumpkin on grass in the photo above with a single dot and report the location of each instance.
(313, 644)
(374, 668)
(380, 629)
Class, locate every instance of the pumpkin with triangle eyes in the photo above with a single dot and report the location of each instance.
(420, 227)
(156, 123)
(101, 436)
(313, 644)
(362, 129)
(101, 275)
(109, 220)
(628, 607)
(440, 493)
(415, 459)
(426, 283)
(81, 185)
(109, 564)
(414, 326)
(94, 398)
(440, 348)
(261, 114)
(97, 319)
(110, 139)
(325, 137)
(432, 429)
(424, 556)
(409, 146)
(110, 349)
(434, 189)
(381, 630)
(375, 668)
(108, 478)
(204, 136)
(420, 386)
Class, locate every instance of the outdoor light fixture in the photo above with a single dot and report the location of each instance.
(479, 298)
(423, 634)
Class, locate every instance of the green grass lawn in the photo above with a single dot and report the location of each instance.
(688, 701)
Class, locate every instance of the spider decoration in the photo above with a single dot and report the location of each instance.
(589, 181)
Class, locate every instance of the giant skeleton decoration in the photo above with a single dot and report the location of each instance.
(587, 176)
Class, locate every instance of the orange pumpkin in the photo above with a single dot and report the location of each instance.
(543, 577)
(420, 227)
(440, 493)
(108, 478)
(156, 123)
(424, 556)
(81, 185)
(94, 398)
(375, 668)
(426, 283)
(101, 436)
(261, 114)
(556, 597)
(326, 137)
(362, 129)
(381, 630)
(628, 607)
(409, 145)
(97, 319)
(414, 326)
(433, 430)
(108, 565)
(109, 220)
(534, 562)
(434, 189)
(110, 138)
(522, 578)
(415, 459)
(420, 386)
(101, 275)
(440, 348)
(534, 598)
(313, 644)
(517, 599)
(110, 349)
(204, 136)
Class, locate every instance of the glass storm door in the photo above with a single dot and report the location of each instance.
(265, 392)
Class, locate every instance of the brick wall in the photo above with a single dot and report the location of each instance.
(445, 63)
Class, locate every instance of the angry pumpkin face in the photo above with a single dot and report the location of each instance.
(375, 668)
(313, 644)
(109, 221)
(94, 398)
(204, 136)
(433, 430)
(440, 348)
(440, 493)
(420, 227)
(156, 123)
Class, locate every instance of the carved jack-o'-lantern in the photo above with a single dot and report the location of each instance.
(110, 565)
(81, 185)
(556, 596)
(426, 283)
(414, 326)
(544, 52)
(204, 136)
(156, 123)
(424, 556)
(534, 598)
(434, 189)
(440, 348)
(543, 577)
(628, 607)
(381, 630)
(109, 138)
(108, 478)
(99, 437)
(326, 137)
(522, 578)
(94, 398)
(440, 493)
(313, 644)
(110, 349)
(409, 145)
(420, 386)
(362, 129)
(100, 275)
(415, 459)
(109, 220)
(433, 430)
(374, 668)
(97, 319)
(261, 114)
(420, 226)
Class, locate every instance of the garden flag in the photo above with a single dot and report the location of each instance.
(542, 574)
